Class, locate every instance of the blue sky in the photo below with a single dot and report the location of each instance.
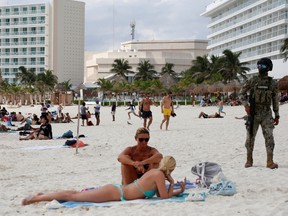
(107, 22)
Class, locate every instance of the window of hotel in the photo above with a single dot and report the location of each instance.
(25, 9)
(33, 30)
(7, 31)
(33, 61)
(7, 41)
(42, 8)
(7, 10)
(15, 61)
(24, 31)
(33, 9)
(7, 51)
(42, 50)
(15, 21)
(24, 50)
(42, 19)
(7, 61)
(42, 29)
(33, 40)
(33, 19)
(24, 20)
(42, 60)
(15, 31)
(15, 50)
(33, 50)
(7, 21)
(15, 41)
(16, 11)
(42, 40)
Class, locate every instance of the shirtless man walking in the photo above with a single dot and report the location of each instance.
(146, 110)
(166, 109)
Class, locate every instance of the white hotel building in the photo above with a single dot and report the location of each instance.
(43, 36)
(257, 28)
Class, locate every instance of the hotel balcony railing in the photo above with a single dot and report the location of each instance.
(20, 63)
(255, 12)
(13, 13)
(22, 53)
(22, 33)
(22, 23)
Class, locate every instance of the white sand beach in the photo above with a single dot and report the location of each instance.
(26, 169)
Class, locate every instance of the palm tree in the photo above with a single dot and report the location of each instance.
(231, 67)
(284, 49)
(65, 86)
(201, 69)
(46, 82)
(5, 89)
(121, 68)
(105, 86)
(26, 77)
(145, 71)
(168, 69)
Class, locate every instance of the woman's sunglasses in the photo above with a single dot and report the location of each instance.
(143, 139)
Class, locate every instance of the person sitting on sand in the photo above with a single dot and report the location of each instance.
(151, 183)
(204, 115)
(42, 133)
(27, 125)
(3, 128)
(138, 159)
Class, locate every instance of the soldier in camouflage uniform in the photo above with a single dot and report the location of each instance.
(263, 92)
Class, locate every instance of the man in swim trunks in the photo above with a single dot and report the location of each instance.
(137, 160)
(145, 106)
(167, 109)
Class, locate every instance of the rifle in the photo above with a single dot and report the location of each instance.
(250, 121)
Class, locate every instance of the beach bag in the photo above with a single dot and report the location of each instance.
(224, 188)
(68, 134)
(206, 171)
(90, 123)
(70, 142)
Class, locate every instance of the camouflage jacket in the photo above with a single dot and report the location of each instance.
(264, 90)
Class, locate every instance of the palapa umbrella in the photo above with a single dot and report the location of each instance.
(216, 87)
(233, 86)
(167, 80)
(201, 89)
(283, 83)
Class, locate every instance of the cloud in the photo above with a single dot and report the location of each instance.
(155, 19)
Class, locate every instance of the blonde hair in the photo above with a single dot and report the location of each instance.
(167, 164)
(142, 130)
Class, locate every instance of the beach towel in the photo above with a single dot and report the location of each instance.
(155, 200)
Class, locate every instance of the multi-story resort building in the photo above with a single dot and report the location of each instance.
(158, 52)
(257, 28)
(43, 36)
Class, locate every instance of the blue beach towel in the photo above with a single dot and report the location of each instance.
(152, 201)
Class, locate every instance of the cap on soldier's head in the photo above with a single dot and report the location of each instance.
(267, 62)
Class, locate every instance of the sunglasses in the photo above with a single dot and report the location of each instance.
(261, 66)
(143, 139)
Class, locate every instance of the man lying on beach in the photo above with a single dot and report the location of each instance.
(137, 160)
(204, 115)
(153, 182)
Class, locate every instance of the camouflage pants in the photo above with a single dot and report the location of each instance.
(266, 121)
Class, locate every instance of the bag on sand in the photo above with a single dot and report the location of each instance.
(68, 134)
(224, 188)
(206, 171)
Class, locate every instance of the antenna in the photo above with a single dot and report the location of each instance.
(133, 25)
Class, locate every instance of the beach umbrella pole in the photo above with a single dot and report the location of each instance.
(78, 124)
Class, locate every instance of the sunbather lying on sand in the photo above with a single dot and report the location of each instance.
(148, 185)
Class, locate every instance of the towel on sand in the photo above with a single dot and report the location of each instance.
(155, 200)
